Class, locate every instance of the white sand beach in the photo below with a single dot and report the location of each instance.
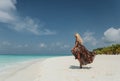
(66, 68)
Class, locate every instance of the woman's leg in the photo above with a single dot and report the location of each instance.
(79, 59)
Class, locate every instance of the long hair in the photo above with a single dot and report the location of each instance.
(78, 38)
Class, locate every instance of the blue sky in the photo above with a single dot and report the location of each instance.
(48, 26)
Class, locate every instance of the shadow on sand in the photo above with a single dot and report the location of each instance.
(78, 67)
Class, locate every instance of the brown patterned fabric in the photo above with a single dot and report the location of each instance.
(80, 52)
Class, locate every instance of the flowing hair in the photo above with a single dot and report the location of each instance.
(78, 38)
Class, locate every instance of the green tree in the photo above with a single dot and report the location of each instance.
(118, 50)
(113, 49)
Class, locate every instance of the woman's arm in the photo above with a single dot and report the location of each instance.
(76, 44)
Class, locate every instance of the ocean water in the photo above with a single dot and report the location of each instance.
(10, 60)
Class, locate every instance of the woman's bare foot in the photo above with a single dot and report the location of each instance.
(80, 66)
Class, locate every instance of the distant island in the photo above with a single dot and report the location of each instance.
(109, 50)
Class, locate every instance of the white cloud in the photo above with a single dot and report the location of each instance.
(89, 38)
(6, 43)
(43, 45)
(26, 45)
(19, 46)
(5, 17)
(7, 7)
(31, 25)
(57, 43)
(60, 45)
(8, 15)
(112, 35)
(66, 46)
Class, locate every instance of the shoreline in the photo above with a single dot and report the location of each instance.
(66, 68)
(24, 71)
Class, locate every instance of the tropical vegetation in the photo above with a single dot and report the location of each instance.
(112, 50)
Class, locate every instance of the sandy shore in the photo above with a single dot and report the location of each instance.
(66, 68)
(28, 71)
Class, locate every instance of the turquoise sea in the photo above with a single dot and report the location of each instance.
(9, 60)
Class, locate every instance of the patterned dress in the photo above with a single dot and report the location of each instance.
(80, 52)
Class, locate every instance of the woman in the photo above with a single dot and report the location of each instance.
(81, 53)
